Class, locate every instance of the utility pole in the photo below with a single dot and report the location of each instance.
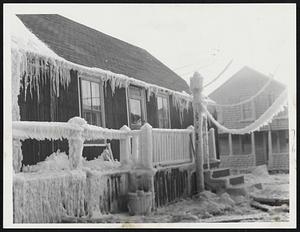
(196, 85)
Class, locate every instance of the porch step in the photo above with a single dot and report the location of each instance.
(220, 180)
(213, 164)
(220, 172)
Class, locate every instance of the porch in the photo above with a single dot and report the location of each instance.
(160, 161)
(270, 147)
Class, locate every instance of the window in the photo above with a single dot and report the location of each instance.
(137, 109)
(247, 111)
(163, 111)
(91, 107)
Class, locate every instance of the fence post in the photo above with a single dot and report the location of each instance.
(191, 128)
(135, 149)
(17, 155)
(125, 147)
(196, 83)
(146, 146)
(212, 144)
(76, 143)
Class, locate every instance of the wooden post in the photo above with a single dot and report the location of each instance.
(270, 147)
(230, 144)
(17, 155)
(196, 83)
(76, 143)
(212, 144)
(146, 145)
(252, 143)
(125, 147)
(192, 129)
(135, 149)
(206, 143)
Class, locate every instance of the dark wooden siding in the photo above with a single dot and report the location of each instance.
(152, 116)
(48, 108)
(171, 185)
(115, 113)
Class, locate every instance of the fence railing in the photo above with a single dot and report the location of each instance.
(145, 147)
(171, 146)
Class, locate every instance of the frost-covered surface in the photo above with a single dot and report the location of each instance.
(57, 161)
(273, 186)
(210, 207)
(105, 192)
(44, 197)
(43, 130)
(100, 165)
(27, 44)
(49, 191)
(95, 132)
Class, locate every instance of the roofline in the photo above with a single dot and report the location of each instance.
(252, 69)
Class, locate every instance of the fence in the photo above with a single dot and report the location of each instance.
(171, 146)
(145, 147)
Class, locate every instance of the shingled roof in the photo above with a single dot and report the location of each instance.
(86, 46)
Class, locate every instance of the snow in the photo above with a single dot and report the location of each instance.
(100, 165)
(273, 186)
(57, 161)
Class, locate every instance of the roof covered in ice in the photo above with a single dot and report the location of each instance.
(85, 46)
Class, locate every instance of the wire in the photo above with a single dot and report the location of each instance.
(246, 100)
(217, 77)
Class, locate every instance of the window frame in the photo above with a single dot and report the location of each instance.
(141, 98)
(101, 96)
(166, 96)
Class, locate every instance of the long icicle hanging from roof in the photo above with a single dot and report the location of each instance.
(35, 46)
(263, 120)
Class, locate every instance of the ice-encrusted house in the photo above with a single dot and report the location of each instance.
(78, 71)
(270, 144)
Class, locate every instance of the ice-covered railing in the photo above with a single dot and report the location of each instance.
(172, 146)
(76, 131)
(138, 148)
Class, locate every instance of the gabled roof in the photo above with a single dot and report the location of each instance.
(86, 46)
(246, 81)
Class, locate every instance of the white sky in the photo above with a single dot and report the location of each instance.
(196, 37)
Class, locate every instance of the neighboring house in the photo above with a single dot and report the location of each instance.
(88, 96)
(269, 145)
